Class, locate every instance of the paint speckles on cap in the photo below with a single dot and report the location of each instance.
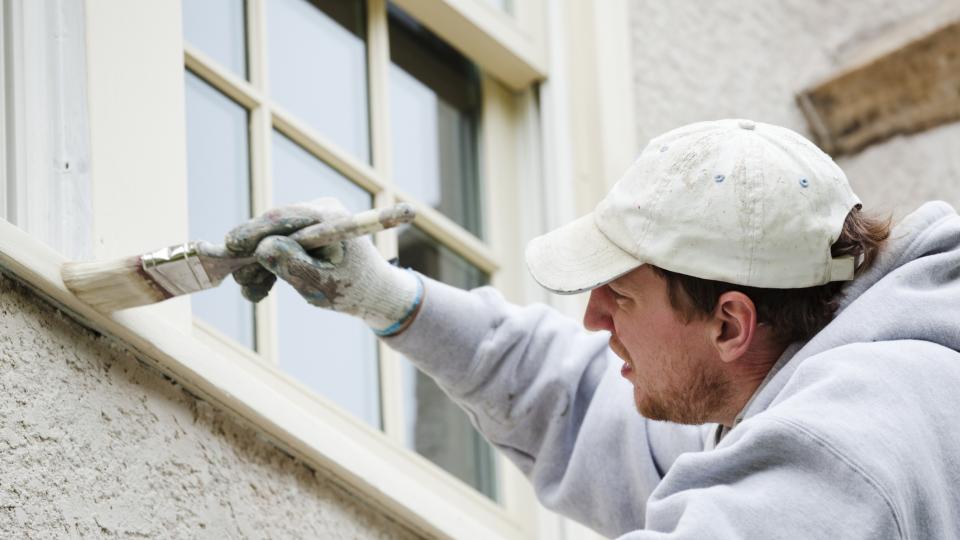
(664, 148)
(804, 182)
(719, 178)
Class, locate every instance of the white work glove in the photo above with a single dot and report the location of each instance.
(349, 276)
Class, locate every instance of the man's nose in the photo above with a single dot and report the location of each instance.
(598, 313)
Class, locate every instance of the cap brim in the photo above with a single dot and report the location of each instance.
(577, 257)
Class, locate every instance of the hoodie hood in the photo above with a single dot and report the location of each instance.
(912, 292)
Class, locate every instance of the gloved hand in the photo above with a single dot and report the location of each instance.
(349, 276)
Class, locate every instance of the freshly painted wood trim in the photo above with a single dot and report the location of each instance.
(257, 68)
(261, 164)
(406, 485)
(500, 168)
(510, 164)
(220, 341)
(531, 18)
(138, 158)
(619, 147)
(223, 80)
(261, 194)
(558, 184)
(486, 35)
(392, 412)
(378, 73)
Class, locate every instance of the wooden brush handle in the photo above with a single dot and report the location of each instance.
(360, 224)
(218, 262)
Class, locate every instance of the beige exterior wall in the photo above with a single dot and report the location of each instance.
(704, 60)
(94, 443)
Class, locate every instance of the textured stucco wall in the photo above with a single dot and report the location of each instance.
(93, 443)
(743, 58)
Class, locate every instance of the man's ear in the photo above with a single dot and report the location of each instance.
(735, 319)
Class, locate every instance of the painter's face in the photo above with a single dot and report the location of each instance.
(670, 362)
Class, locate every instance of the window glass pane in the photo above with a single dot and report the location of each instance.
(434, 112)
(218, 29)
(318, 67)
(218, 175)
(333, 354)
(436, 427)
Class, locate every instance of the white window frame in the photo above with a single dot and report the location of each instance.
(510, 48)
(267, 116)
(374, 462)
(135, 62)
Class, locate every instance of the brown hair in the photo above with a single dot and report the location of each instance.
(793, 314)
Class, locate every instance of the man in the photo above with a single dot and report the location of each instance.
(795, 370)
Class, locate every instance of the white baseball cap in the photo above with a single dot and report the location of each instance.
(736, 201)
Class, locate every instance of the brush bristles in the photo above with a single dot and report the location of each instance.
(111, 286)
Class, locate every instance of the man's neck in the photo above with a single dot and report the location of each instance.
(746, 377)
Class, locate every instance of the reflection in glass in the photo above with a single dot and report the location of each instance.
(333, 354)
(436, 427)
(217, 28)
(434, 113)
(318, 68)
(218, 174)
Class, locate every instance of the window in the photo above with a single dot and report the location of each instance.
(217, 27)
(318, 69)
(435, 110)
(291, 100)
(332, 353)
(218, 168)
(436, 427)
(187, 105)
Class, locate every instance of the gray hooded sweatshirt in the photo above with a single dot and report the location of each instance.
(854, 434)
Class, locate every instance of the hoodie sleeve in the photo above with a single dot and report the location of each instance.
(773, 478)
(549, 395)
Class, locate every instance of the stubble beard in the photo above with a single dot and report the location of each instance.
(694, 398)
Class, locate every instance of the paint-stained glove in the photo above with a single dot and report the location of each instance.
(349, 276)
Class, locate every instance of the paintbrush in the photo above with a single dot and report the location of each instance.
(195, 266)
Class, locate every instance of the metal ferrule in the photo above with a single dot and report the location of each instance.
(177, 269)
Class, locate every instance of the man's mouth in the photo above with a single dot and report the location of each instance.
(621, 351)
